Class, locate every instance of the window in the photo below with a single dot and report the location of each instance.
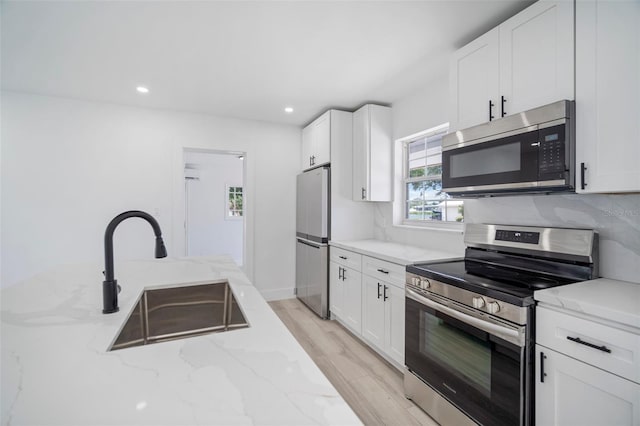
(424, 199)
(234, 207)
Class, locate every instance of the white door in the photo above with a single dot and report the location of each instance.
(361, 153)
(307, 147)
(575, 393)
(336, 290)
(608, 95)
(474, 82)
(537, 57)
(352, 293)
(214, 202)
(394, 314)
(322, 139)
(373, 311)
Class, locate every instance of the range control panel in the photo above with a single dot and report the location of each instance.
(518, 236)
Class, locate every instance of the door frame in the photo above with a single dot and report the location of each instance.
(180, 222)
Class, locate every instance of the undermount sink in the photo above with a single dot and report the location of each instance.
(171, 313)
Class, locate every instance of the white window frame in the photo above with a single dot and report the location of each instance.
(438, 224)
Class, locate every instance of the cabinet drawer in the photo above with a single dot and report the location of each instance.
(346, 258)
(602, 346)
(385, 271)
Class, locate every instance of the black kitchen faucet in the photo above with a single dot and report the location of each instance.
(110, 288)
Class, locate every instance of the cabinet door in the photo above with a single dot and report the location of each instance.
(473, 80)
(575, 393)
(537, 57)
(352, 296)
(373, 322)
(394, 323)
(360, 153)
(307, 147)
(322, 139)
(608, 95)
(380, 154)
(336, 293)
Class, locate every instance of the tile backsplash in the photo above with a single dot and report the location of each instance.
(616, 217)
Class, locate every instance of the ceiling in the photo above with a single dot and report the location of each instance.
(243, 59)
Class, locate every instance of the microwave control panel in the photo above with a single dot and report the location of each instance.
(551, 153)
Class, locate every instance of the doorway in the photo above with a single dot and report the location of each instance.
(214, 203)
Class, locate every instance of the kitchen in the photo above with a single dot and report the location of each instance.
(60, 151)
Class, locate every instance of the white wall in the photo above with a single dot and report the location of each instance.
(210, 230)
(426, 107)
(70, 166)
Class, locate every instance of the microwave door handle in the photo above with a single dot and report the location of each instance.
(509, 334)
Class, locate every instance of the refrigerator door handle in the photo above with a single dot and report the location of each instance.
(311, 244)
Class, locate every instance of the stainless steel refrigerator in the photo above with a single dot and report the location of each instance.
(312, 232)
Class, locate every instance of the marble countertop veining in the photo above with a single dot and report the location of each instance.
(393, 252)
(56, 369)
(609, 300)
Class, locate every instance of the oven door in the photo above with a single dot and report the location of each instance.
(504, 164)
(465, 361)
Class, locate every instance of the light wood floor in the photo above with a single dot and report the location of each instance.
(369, 384)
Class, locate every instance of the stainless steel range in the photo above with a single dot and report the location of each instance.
(469, 335)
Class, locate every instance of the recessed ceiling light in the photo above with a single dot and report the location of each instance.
(142, 89)
(288, 110)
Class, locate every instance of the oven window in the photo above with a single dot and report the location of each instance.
(465, 355)
(497, 159)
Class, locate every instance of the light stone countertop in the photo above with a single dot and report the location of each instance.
(56, 369)
(396, 253)
(609, 300)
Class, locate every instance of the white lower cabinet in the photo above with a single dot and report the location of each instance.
(345, 289)
(575, 393)
(367, 296)
(383, 317)
(587, 372)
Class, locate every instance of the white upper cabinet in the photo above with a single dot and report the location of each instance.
(316, 142)
(372, 154)
(537, 57)
(526, 62)
(608, 96)
(474, 82)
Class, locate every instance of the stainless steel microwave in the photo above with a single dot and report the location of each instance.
(533, 151)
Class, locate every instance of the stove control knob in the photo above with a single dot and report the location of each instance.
(425, 284)
(478, 302)
(415, 281)
(493, 307)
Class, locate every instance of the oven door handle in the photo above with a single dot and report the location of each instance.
(512, 335)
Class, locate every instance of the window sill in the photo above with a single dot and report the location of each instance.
(442, 227)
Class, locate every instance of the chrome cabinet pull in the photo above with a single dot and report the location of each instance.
(502, 111)
(342, 257)
(385, 293)
(491, 117)
(379, 294)
(383, 271)
(583, 184)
